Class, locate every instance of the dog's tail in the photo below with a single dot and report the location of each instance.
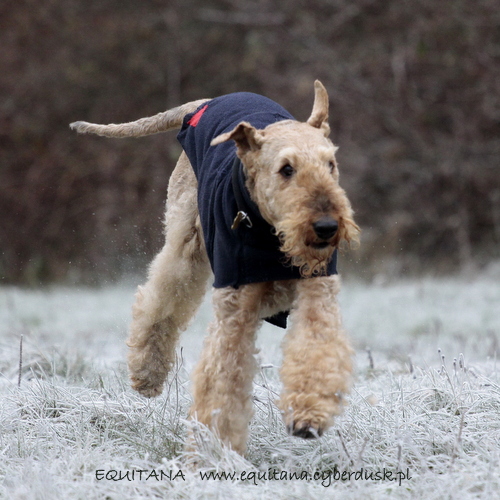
(162, 122)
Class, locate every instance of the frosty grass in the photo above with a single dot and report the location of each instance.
(422, 421)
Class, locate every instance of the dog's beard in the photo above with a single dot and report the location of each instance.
(298, 244)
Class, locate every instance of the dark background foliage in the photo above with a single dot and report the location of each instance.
(415, 109)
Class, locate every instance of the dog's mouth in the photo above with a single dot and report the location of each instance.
(319, 245)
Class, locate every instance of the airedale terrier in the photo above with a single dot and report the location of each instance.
(266, 217)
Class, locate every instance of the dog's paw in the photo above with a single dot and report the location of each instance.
(304, 430)
(308, 416)
(147, 388)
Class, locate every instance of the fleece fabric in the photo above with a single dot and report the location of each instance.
(245, 254)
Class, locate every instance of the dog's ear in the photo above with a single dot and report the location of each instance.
(319, 115)
(247, 138)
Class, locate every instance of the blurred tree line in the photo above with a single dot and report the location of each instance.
(415, 109)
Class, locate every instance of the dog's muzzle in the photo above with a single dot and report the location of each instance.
(325, 228)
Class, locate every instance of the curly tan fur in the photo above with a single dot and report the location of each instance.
(317, 365)
(317, 358)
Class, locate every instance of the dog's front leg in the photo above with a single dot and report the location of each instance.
(317, 363)
(222, 381)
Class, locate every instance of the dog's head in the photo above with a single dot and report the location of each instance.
(292, 175)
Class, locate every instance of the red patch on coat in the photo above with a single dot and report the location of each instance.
(194, 120)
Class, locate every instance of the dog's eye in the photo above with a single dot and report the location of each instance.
(331, 164)
(287, 171)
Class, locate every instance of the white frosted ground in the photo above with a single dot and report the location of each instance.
(74, 413)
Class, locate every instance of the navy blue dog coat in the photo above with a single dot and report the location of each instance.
(245, 254)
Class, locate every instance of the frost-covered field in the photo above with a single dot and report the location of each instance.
(429, 418)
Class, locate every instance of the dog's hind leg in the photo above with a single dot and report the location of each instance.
(174, 290)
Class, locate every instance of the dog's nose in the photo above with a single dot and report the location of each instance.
(325, 227)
